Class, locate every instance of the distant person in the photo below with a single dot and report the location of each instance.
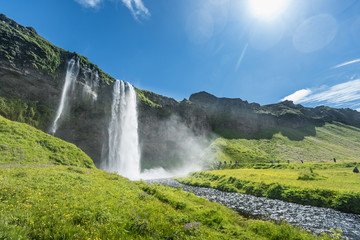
(230, 162)
(278, 162)
(356, 170)
(272, 162)
(301, 161)
(224, 162)
(237, 162)
(334, 160)
(288, 161)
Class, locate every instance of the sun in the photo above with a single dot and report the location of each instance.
(267, 8)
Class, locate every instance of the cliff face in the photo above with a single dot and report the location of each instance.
(32, 75)
(236, 118)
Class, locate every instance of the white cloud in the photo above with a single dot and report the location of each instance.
(345, 94)
(89, 3)
(137, 8)
(298, 95)
(347, 63)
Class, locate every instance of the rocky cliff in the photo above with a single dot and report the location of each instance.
(32, 73)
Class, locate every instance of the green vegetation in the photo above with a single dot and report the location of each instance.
(281, 109)
(331, 185)
(145, 100)
(41, 198)
(323, 144)
(18, 110)
(23, 144)
(149, 101)
(24, 43)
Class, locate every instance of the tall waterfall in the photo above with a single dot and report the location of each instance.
(123, 147)
(69, 84)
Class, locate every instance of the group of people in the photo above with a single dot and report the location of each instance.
(219, 164)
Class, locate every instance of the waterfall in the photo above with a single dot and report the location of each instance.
(123, 146)
(69, 84)
(91, 84)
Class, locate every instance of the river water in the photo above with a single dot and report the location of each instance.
(315, 219)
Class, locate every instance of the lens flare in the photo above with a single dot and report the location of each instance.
(267, 8)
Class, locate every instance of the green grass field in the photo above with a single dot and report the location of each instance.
(337, 179)
(49, 189)
(328, 184)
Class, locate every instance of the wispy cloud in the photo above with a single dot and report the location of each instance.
(347, 63)
(345, 94)
(137, 8)
(298, 95)
(89, 3)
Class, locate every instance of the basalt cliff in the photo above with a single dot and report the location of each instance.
(32, 73)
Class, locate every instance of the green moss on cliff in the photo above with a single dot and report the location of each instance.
(145, 100)
(34, 51)
(18, 110)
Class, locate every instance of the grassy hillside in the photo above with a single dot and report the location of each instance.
(41, 198)
(333, 140)
(62, 202)
(23, 144)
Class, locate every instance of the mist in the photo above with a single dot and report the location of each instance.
(185, 151)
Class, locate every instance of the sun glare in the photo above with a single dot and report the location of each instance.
(267, 8)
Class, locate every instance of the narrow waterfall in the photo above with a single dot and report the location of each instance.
(123, 147)
(91, 84)
(70, 78)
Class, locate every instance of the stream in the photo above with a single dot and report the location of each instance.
(315, 219)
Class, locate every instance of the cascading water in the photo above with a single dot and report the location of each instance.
(91, 84)
(123, 154)
(70, 77)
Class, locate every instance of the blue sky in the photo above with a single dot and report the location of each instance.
(307, 51)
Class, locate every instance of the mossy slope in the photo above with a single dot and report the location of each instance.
(333, 140)
(23, 144)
